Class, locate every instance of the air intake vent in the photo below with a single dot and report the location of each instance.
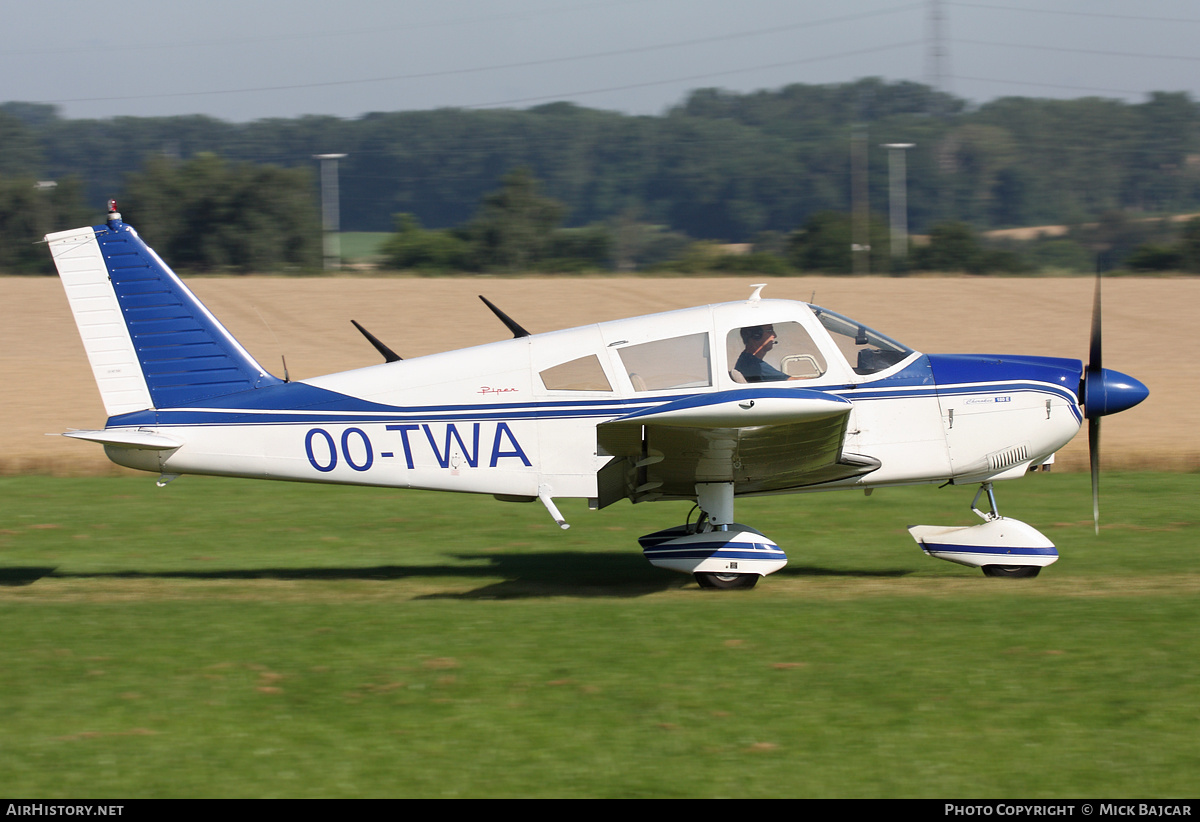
(1008, 457)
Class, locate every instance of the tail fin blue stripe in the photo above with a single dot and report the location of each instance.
(184, 353)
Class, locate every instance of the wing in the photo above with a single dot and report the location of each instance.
(762, 439)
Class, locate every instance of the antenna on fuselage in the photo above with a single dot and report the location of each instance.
(112, 206)
(388, 354)
(757, 293)
(509, 322)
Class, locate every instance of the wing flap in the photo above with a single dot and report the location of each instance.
(762, 439)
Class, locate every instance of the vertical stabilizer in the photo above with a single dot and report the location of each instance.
(150, 342)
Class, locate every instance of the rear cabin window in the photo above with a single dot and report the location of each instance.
(678, 362)
(583, 374)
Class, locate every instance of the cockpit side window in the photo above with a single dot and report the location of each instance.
(678, 362)
(771, 352)
(867, 351)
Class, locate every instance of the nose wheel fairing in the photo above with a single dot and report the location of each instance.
(1002, 541)
(1001, 546)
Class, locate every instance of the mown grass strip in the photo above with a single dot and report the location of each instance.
(226, 638)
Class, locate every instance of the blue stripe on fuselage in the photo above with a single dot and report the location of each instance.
(948, 375)
(926, 376)
(303, 403)
(990, 373)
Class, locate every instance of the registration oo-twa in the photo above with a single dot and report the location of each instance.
(707, 404)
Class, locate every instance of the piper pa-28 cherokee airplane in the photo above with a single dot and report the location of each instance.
(707, 404)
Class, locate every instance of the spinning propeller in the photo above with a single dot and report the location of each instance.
(1103, 392)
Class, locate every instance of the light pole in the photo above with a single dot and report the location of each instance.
(330, 215)
(860, 211)
(45, 205)
(898, 201)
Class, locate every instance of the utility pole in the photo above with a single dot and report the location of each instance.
(936, 56)
(330, 213)
(45, 205)
(898, 203)
(860, 219)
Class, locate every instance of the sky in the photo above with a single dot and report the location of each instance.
(244, 60)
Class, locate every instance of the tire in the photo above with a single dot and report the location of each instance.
(727, 582)
(1012, 571)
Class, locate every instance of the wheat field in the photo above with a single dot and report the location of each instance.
(1148, 324)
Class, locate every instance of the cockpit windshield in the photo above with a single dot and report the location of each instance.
(865, 349)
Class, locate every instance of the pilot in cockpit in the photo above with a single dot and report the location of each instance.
(758, 341)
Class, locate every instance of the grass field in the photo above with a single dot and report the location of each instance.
(223, 638)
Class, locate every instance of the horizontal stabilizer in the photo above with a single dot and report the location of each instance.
(141, 440)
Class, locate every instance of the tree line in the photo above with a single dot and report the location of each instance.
(518, 228)
(770, 168)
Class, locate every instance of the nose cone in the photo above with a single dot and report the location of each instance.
(1108, 392)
